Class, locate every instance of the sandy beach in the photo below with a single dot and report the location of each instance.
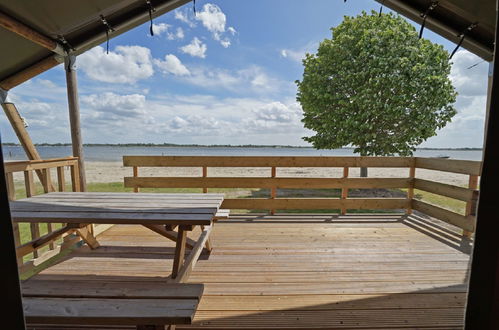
(115, 172)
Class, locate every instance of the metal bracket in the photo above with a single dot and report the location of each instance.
(3, 95)
(70, 63)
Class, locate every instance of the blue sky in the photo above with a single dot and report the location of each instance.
(224, 76)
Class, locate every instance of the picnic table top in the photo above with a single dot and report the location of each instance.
(118, 208)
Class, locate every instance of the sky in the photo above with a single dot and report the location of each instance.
(223, 76)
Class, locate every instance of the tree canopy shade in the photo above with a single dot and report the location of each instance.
(376, 86)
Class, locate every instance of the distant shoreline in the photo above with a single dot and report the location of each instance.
(8, 144)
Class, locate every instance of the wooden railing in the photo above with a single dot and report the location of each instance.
(343, 203)
(47, 243)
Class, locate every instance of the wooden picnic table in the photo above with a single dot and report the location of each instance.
(162, 213)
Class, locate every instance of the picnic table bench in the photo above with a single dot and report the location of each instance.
(148, 305)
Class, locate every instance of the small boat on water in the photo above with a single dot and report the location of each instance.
(442, 156)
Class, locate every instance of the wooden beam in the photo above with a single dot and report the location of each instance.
(22, 134)
(13, 315)
(30, 34)
(458, 220)
(44, 240)
(265, 182)
(315, 203)
(170, 234)
(266, 161)
(482, 311)
(344, 191)
(74, 118)
(30, 72)
(410, 190)
(470, 167)
(87, 236)
(179, 251)
(191, 260)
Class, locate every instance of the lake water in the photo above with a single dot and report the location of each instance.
(115, 153)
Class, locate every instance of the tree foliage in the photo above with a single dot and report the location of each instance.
(376, 86)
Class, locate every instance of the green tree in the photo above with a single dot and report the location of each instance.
(376, 86)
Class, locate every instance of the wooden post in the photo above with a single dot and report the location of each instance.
(74, 118)
(61, 178)
(136, 174)
(75, 182)
(11, 195)
(22, 134)
(205, 174)
(344, 190)
(471, 205)
(273, 191)
(30, 191)
(410, 190)
(179, 251)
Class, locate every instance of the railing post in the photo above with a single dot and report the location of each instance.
(471, 204)
(344, 191)
(30, 191)
(11, 195)
(11, 189)
(75, 177)
(136, 174)
(61, 180)
(205, 174)
(410, 190)
(47, 181)
(273, 190)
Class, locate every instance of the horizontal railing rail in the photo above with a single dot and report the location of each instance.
(343, 203)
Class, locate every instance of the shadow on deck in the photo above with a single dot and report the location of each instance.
(302, 271)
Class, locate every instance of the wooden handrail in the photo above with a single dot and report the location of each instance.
(273, 182)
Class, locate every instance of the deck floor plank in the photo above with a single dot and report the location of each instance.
(301, 271)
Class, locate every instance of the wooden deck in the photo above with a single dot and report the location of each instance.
(302, 271)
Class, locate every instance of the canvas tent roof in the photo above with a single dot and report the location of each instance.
(450, 18)
(78, 22)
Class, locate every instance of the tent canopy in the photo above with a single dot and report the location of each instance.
(77, 26)
(78, 23)
(450, 18)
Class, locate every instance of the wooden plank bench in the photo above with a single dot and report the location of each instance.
(146, 305)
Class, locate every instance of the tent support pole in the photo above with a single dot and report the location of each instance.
(17, 123)
(74, 117)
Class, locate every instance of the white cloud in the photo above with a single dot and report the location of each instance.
(214, 20)
(179, 34)
(232, 30)
(114, 104)
(252, 79)
(126, 64)
(297, 55)
(469, 81)
(165, 29)
(196, 48)
(183, 16)
(467, 127)
(160, 28)
(172, 65)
